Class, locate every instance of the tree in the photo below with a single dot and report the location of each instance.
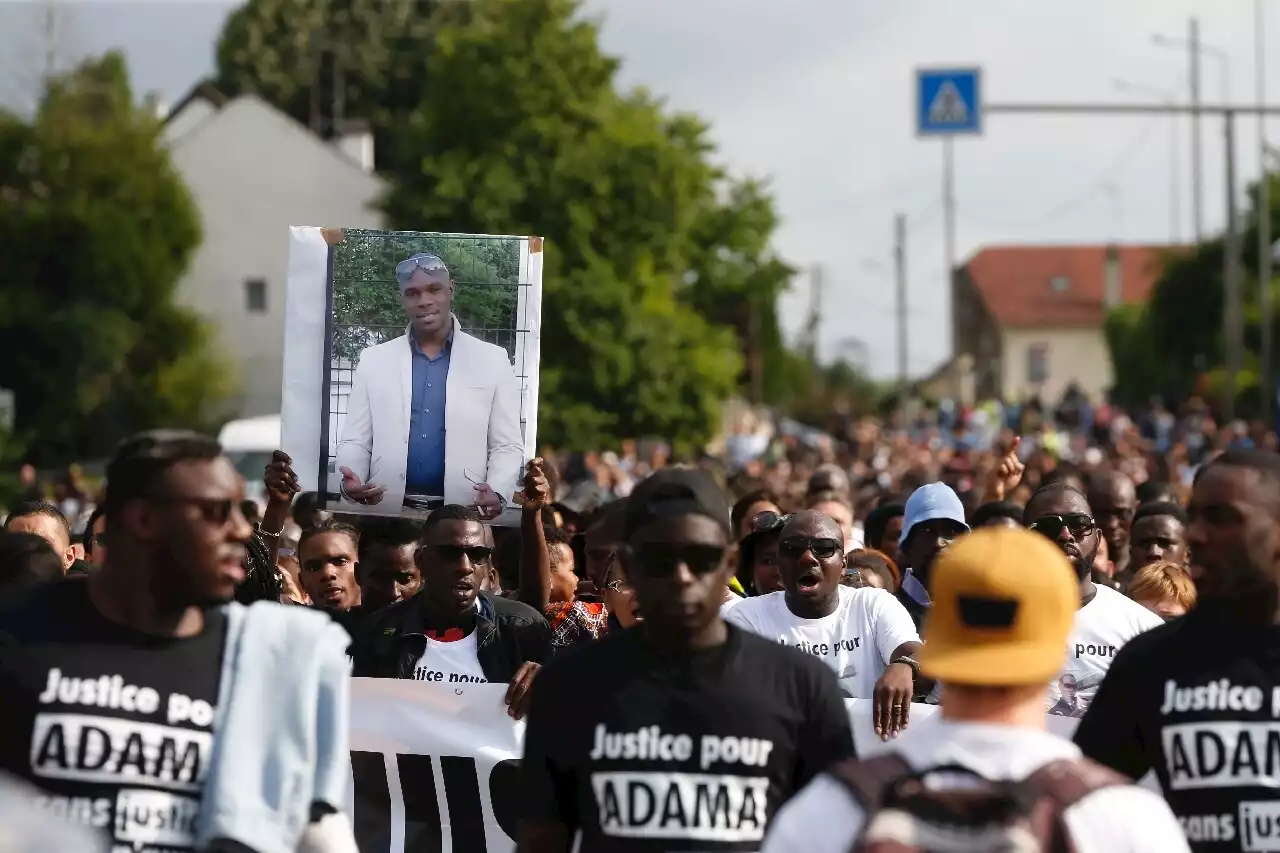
(95, 230)
(505, 118)
(1173, 345)
(533, 138)
(291, 52)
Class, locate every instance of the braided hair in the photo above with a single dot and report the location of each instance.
(262, 580)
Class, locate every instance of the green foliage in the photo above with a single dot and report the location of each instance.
(95, 230)
(1139, 368)
(284, 49)
(534, 139)
(502, 116)
(1174, 344)
(366, 296)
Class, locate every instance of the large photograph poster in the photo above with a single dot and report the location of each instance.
(411, 365)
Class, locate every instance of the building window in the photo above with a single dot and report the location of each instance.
(255, 295)
(1037, 363)
(1059, 283)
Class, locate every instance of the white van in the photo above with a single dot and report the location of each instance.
(249, 443)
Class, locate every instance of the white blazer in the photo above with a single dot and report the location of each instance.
(481, 420)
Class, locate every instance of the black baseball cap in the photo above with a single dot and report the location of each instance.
(676, 491)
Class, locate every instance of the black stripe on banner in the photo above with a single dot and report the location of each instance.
(504, 794)
(466, 815)
(421, 812)
(372, 818)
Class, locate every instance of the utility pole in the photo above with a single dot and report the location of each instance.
(1193, 82)
(1264, 219)
(1231, 291)
(949, 216)
(900, 273)
(814, 323)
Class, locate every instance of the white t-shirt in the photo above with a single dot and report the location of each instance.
(450, 663)
(856, 640)
(825, 818)
(1101, 627)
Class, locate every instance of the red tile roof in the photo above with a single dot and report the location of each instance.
(1017, 282)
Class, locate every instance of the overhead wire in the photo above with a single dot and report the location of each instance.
(1105, 182)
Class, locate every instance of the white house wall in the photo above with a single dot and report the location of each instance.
(253, 172)
(1074, 355)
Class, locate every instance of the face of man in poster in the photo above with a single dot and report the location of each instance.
(426, 293)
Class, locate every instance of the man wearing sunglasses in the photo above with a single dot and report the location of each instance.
(692, 732)
(145, 666)
(408, 393)
(1106, 619)
(451, 632)
(864, 635)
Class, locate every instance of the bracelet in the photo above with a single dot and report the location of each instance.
(267, 533)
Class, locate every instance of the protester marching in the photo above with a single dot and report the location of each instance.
(678, 666)
(416, 439)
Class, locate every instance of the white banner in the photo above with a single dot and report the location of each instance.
(435, 768)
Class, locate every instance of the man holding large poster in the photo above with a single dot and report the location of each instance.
(409, 393)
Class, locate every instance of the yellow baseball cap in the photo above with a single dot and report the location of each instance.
(1003, 603)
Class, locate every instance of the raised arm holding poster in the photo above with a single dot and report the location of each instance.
(411, 364)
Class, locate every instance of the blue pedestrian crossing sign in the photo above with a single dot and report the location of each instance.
(948, 101)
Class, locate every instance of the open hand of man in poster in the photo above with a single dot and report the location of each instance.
(361, 493)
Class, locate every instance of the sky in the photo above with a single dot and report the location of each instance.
(817, 97)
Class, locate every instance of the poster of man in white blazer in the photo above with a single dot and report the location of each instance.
(427, 391)
(433, 416)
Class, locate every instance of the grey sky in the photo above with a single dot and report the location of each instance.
(817, 96)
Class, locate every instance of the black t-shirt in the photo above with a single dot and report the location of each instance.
(115, 726)
(1198, 701)
(641, 752)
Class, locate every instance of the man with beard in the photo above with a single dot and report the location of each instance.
(1195, 699)
(1106, 619)
(863, 634)
(692, 732)
(934, 518)
(145, 702)
(450, 632)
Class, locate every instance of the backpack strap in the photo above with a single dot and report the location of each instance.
(867, 780)
(1067, 781)
(1059, 785)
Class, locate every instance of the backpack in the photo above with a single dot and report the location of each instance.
(905, 816)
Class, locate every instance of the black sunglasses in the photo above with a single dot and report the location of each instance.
(767, 520)
(822, 548)
(213, 510)
(455, 553)
(1077, 523)
(660, 559)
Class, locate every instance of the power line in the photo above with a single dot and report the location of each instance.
(1103, 183)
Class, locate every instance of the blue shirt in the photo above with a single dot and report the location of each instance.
(425, 470)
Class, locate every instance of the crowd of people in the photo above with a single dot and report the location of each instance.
(680, 640)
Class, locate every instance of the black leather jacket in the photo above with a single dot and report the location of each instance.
(389, 643)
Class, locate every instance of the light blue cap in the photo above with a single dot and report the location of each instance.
(931, 501)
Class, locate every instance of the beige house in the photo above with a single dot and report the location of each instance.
(253, 171)
(1028, 319)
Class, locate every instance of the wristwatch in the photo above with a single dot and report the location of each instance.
(909, 661)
